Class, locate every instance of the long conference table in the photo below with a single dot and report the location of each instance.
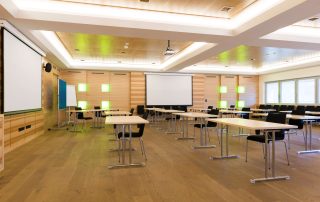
(263, 126)
(307, 120)
(123, 122)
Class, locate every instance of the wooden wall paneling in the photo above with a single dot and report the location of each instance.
(198, 83)
(137, 89)
(1, 142)
(251, 84)
(39, 124)
(211, 90)
(231, 83)
(94, 81)
(120, 90)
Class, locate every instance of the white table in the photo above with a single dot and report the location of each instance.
(262, 110)
(234, 112)
(203, 136)
(308, 120)
(124, 121)
(199, 109)
(263, 126)
(172, 123)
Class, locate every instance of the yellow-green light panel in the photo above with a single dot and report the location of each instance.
(241, 89)
(241, 104)
(105, 105)
(223, 89)
(105, 88)
(83, 104)
(82, 87)
(223, 104)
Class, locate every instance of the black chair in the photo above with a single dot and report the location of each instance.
(301, 108)
(131, 111)
(279, 135)
(245, 115)
(290, 107)
(283, 108)
(99, 116)
(134, 135)
(262, 106)
(80, 117)
(232, 107)
(276, 107)
(310, 108)
(210, 107)
(209, 124)
(140, 110)
(268, 107)
(298, 123)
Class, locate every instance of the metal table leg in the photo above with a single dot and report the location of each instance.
(308, 133)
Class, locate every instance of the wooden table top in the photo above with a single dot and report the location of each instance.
(290, 116)
(234, 111)
(196, 115)
(117, 113)
(125, 120)
(169, 111)
(263, 110)
(252, 124)
(92, 110)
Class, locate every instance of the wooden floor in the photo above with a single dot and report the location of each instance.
(63, 166)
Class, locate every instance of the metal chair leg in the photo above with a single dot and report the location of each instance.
(263, 151)
(217, 133)
(119, 147)
(144, 151)
(141, 147)
(285, 145)
(247, 151)
(289, 140)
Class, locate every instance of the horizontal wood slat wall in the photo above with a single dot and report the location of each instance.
(198, 83)
(251, 95)
(211, 88)
(137, 89)
(231, 83)
(1, 142)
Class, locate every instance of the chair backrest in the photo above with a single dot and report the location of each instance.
(210, 107)
(290, 107)
(310, 108)
(276, 107)
(317, 109)
(246, 109)
(276, 117)
(79, 115)
(232, 106)
(298, 112)
(283, 108)
(141, 126)
(300, 107)
(268, 106)
(262, 106)
(97, 113)
(131, 111)
(140, 109)
(214, 112)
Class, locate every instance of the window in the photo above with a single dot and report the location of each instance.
(272, 92)
(287, 89)
(306, 91)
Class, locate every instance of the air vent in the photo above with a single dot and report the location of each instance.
(229, 77)
(119, 74)
(226, 9)
(313, 19)
(74, 72)
(144, 1)
(97, 73)
(247, 77)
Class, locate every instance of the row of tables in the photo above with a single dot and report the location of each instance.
(263, 126)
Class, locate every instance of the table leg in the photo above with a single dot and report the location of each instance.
(185, 135)
(308, 133)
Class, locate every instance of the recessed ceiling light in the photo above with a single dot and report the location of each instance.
(195, 65)
(313, 19)
(119, 62)
(82, 60)
(76, 49)
(252, 59)
(125, 46)
(153, 63)
(226, 66)
(123, 52)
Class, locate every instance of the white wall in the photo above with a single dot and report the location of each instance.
(291, 74)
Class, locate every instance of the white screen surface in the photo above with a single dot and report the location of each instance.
(22, 75)
(167, 89)
(71, 96)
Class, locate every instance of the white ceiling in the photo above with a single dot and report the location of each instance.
(265, 23)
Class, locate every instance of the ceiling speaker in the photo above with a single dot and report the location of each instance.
(47, 67)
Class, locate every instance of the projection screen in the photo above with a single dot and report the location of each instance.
(22, 75)
(168, 89)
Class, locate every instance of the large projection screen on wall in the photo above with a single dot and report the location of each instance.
(22, 75)
(168, 89)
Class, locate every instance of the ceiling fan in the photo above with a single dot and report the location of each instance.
(169, 50)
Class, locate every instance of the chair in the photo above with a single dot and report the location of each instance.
(262, 106)
(209, 124)
(98, 115)
(210, 107)
(279, 135)
(300, 107)
(268, 107)
(283, 108)
(245, 115)
(81, 117)
(276, 107)
(134, 135)
(317, 109)
(310, 108)
(290, 107)
(140, 110)
(298, 123)
(232, 107)
(131, 111)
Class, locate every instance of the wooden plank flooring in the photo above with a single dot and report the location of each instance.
(64, 166)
